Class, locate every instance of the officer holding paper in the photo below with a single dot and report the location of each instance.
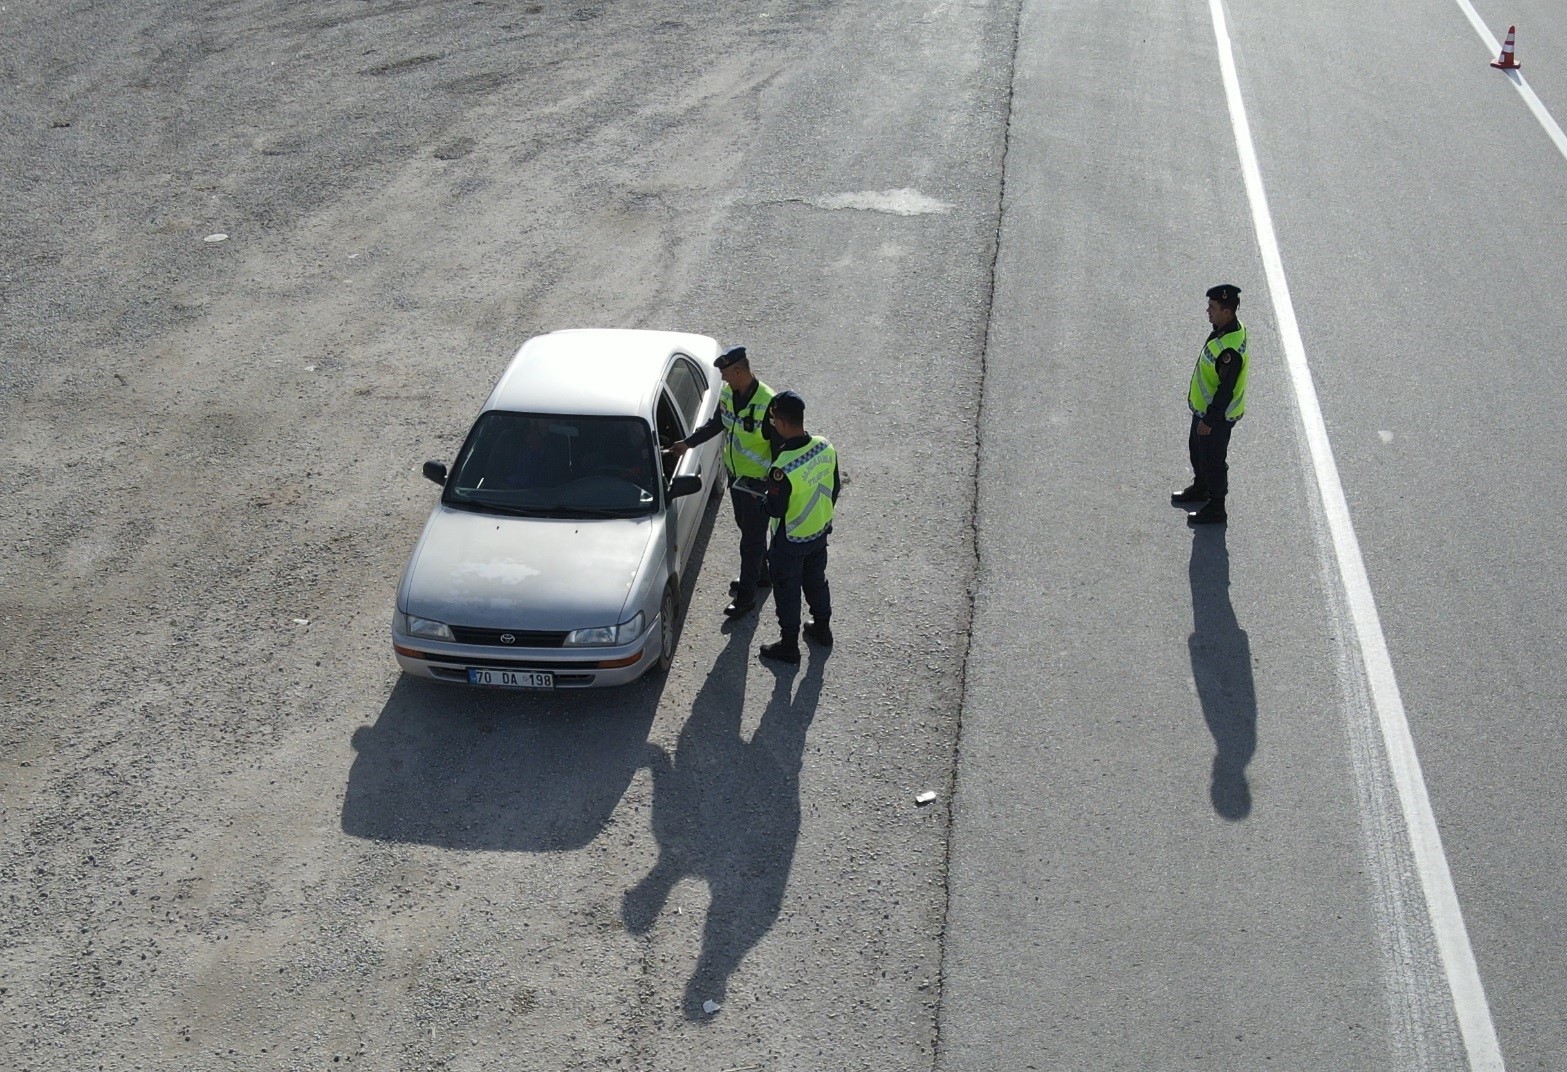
(742, 420)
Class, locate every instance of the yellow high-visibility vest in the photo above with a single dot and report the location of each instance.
(1205, 377)
(746, 450)
(813, 477)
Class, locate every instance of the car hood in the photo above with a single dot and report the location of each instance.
(495, 572)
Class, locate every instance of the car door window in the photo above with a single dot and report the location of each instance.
(686, 386)
(670, 430)
(670, 427)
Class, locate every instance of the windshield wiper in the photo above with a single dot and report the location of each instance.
(553, 509)
(497, 508)
(597, 511)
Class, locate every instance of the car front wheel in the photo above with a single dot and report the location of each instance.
(668, 630)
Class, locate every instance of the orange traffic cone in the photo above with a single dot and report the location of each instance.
(1508, 60)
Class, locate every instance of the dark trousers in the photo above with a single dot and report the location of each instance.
(797, 568)
(1211, 473)
(752, 520)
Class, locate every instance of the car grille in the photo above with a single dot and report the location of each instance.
(520, 638)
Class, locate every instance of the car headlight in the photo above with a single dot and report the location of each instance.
(425, 627)
(629, 631)
(602, 635)
(606, 635)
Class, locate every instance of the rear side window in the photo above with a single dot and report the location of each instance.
(687, 386)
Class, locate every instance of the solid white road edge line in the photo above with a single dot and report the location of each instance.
(1436, 881)
(1525, 91)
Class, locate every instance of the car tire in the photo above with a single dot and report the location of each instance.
(668, 629)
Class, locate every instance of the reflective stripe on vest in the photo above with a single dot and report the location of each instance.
(1205, 377)
(812, 472)
(745, 453)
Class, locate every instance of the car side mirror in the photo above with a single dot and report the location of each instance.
(435, 471)
(684, 485)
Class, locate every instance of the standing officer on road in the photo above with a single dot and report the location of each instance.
(802, 490)
(1217, 398)
(741, 417)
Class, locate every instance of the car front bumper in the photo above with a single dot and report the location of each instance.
(572, 668)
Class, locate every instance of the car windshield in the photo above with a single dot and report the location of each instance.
(551, 466)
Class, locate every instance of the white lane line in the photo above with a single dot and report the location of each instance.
(1516, 78)
(1436, 881)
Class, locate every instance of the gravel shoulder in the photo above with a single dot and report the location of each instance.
(232, 837)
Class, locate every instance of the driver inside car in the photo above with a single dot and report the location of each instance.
(530, 457)
(626, 453)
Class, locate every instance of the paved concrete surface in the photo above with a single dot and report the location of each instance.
(1451, 255)
(975, 236)
(1261, 912)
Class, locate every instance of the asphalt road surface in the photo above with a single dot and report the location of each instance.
(975, 237)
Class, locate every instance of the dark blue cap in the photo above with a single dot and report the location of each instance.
(731, 356)
(1226, 294)
(789, 405)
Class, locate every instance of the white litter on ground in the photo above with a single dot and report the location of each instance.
(904, 202)
(216, 238)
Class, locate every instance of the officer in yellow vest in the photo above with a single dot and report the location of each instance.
(1217, 398)
(802, 491)
(742, 420)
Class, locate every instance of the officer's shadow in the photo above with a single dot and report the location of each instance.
(1221, 667)
(727, 811)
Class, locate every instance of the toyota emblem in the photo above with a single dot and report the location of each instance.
(507, 638)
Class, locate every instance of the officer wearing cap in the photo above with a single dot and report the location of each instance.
(742, 419)
(1217, 398)
(802, 492)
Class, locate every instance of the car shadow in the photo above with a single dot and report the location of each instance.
(501, 770)
(727, 810)
(1221, 667)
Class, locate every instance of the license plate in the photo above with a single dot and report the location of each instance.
(511, 679)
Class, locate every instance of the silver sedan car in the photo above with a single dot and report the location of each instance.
(555, 555)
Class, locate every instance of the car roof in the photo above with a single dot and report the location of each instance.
(594, 371)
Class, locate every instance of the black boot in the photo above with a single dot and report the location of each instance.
(787, 650)
(764, 581)
(819, 630)
(1194, 493)
(1211, 514)
(742, 604)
